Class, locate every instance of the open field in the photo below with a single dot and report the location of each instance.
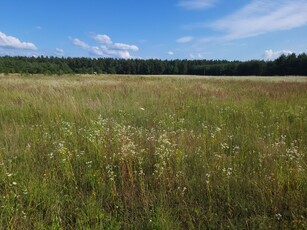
(243, 78)
(136, 152)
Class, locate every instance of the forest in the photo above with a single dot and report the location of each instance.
(284, 65)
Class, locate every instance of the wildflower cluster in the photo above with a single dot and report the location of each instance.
(164, 152)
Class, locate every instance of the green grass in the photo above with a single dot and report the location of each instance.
(134, 152)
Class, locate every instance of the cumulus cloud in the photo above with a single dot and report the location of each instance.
(263, 16)
(170, 53)
(116, 53)
(121, 46)
(196, 4)
(14, 43)
(184, 39)
(107, 48)
(103, 38)
(272, 55)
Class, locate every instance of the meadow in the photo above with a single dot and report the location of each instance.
(136, 152)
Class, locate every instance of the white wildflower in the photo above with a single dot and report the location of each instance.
(278, 216)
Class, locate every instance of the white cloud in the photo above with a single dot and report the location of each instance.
(116, 53)
(184, 39)
(196, 4)
(14, 43)
(59, 52)
(78, 42)
(18, 52)
(103, 38)
(108, 49)
(170, 53)
(197, 56)
(121, 46)
(263, 16)
(272, 55)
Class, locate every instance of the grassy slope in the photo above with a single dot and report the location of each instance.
(139, 152)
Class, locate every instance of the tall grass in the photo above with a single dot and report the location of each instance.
(133, 152)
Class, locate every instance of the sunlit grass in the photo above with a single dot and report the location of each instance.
(122, 152)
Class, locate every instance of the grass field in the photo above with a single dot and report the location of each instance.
(135, 152)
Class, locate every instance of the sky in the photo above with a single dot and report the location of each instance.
(162, 29)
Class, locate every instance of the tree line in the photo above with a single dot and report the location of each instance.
(284, 65)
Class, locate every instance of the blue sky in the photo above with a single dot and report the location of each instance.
(173, 29)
